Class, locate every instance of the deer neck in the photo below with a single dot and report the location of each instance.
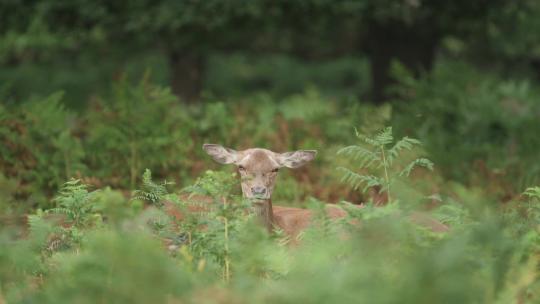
(263, 211)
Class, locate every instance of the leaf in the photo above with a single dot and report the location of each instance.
(420, 162)
(356, 180)
(532, 192)
(151, 192)
(404, 143)
(385, 137)
(367, 158)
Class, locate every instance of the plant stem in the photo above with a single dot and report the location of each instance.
(133, 169)
(227, 272)
(68, 168)
(226, 232)
(387, 179)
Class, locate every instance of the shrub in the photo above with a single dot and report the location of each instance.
(472, 121)
(39, 150)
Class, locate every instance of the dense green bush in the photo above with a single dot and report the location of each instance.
(39, 149)
(478, 128)
(140, 126)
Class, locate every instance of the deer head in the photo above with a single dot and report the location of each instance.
(258, 168)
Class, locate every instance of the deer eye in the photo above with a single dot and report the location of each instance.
(275, 170)
(241, 168)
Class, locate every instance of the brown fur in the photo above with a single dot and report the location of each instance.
(258, 160)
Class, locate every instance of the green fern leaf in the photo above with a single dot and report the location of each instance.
(533, 192)
(385, 137)
(405, 143)
(420, 162)
(151, 192)
(356, 180)
(366, 157)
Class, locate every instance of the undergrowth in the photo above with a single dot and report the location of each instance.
(88, 241)
(375, 153)
(200, 243)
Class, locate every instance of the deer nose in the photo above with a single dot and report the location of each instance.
(258, 190)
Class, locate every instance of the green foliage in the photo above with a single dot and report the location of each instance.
(37, 137)
(76, 203)
(375, 153)
(453, 215)
(40, 230)
(223, 218)
(110, 268)
(64, 226)
(278, 75)
(481, 259)
(151, 191)
(140, 120)
(206, 229)
(462, 117)
(142, 125)
(283, 75)
(526, 215)
(201, 244)
(533, 193)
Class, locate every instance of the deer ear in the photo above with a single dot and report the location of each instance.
(221, 154)
(296, 159)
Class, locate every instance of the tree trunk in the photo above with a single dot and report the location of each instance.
(535, 64)
(187, 73)
(413, 46)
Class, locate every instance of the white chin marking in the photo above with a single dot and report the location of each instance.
(258, 198)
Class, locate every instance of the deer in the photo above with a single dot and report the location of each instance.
(258, 169)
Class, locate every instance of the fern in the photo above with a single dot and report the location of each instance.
(75, 202)
(419, 162)
(39, 228)
(373, 153)
(77, 206)
(151, 192)
(533, 193)
(405, 143)
(222, 219)
(532, 211)
(356, 180)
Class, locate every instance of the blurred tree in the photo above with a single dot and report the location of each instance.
(511, 38)
(26, 34)
(411, 30)
(187, 31)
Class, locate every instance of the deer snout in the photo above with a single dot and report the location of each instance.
(258, 190)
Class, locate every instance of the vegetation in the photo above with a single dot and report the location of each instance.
(415, 107)
(380, 157)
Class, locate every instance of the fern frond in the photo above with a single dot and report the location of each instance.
(37, 225)
(61, 210)
(75, 202)
(420, 162)
(404, 143)
(379, 156)
(356, 180)
(385, 137)
(367, 158)
(151, 192)
(532, 192)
